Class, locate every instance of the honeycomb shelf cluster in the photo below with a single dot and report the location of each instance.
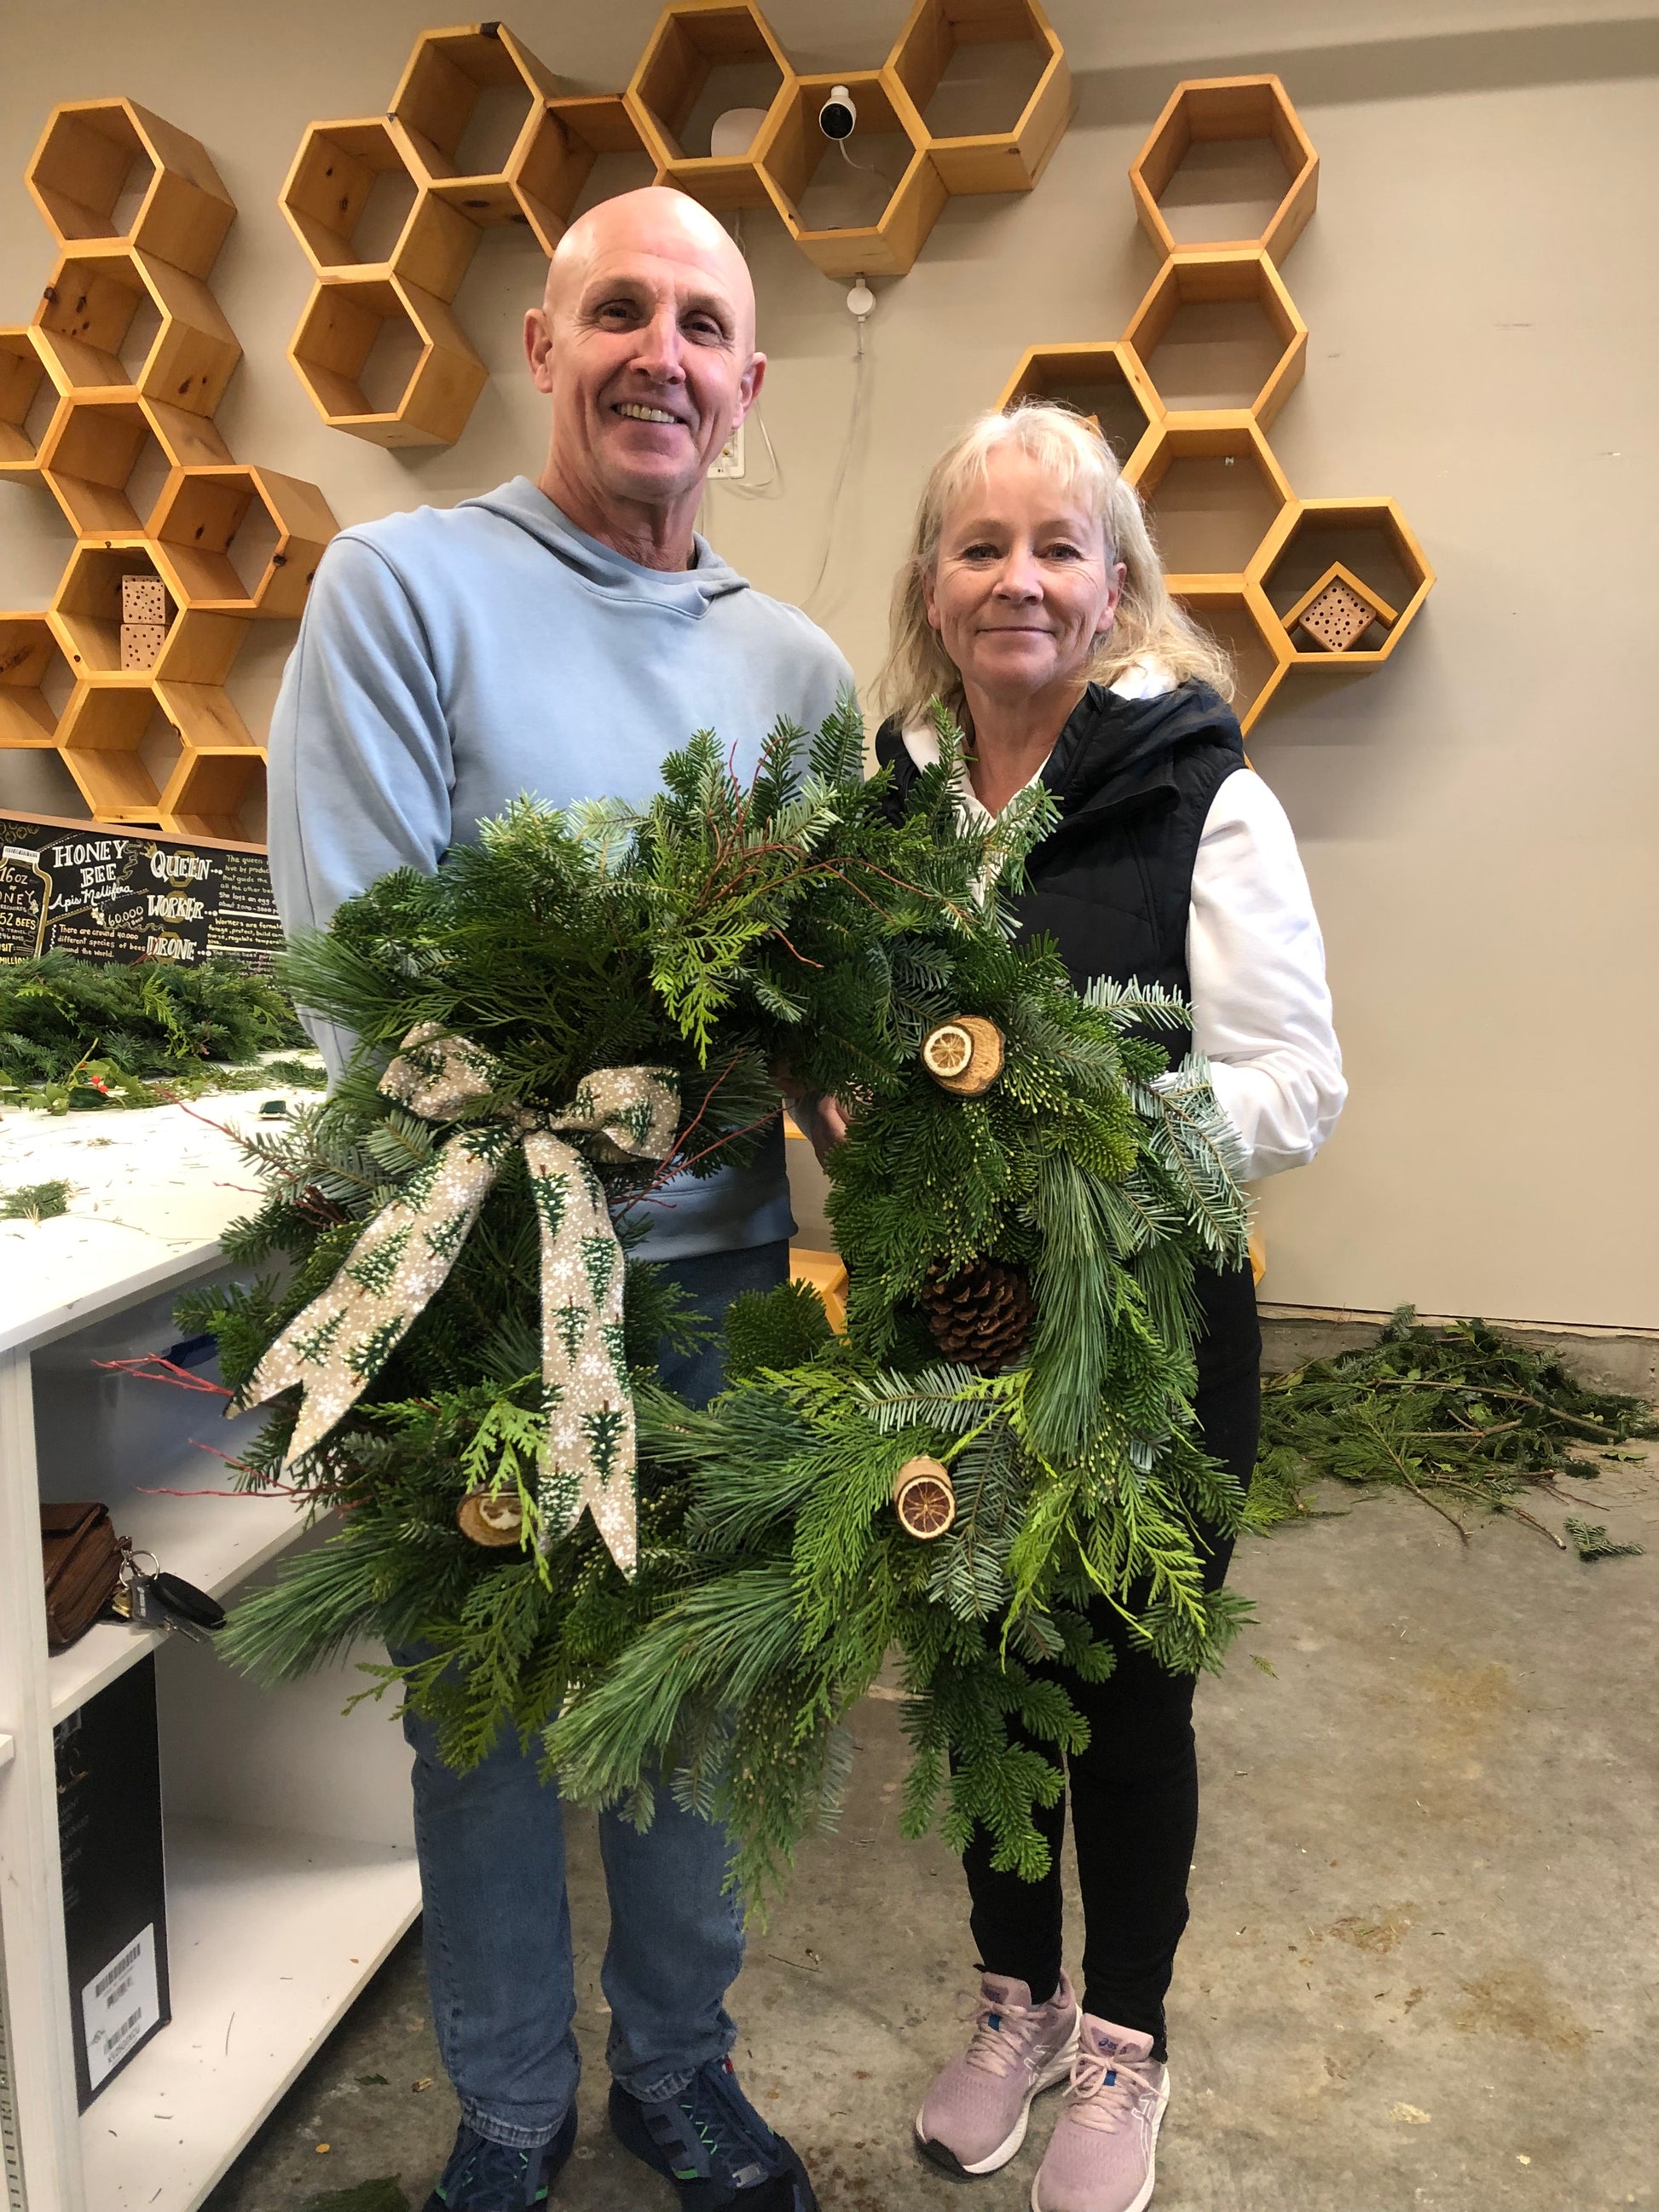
(108, 396)
(389, 209)
(1187, 395)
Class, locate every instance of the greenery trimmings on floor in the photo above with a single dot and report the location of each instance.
(86, 1033)
(1595, 1543)
(1459, 1416)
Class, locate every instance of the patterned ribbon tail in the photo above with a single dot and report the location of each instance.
(589, 1456)
(336, 1347)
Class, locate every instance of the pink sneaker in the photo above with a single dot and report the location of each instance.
(1100, 2157)
(973, 2119)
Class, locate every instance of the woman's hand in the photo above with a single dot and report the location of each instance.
(820, 1121)
(816, 1115)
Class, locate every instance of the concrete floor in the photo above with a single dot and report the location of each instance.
(1421, 1967)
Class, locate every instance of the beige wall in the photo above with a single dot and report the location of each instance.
(1478, 819)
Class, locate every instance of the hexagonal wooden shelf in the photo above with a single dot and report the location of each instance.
(35, 682)
(469, 104)
(120, 747)
(28, 399)
(106, 398)
(356, 201)
(852, 217)
(1218, 332)
(85, 616)
(239, 541)
(1227, 164)
(386, 361)
(551, 168)
(1212, 491)
(1241, 621)
(113, 322)
(1104, 382)
(1207, 361)
(1369, 537)
(103, 463)
(109, 170)
(974, 148)
(211, 792)
(705, 58)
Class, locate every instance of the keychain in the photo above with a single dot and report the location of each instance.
(159, 1600)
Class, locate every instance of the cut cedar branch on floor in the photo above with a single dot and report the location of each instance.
(1458, 1415)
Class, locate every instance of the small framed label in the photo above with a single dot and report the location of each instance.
(119, 2006)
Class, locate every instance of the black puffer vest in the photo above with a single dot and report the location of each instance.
(1112, 884)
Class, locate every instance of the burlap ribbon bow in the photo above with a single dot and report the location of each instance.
(337, 1347)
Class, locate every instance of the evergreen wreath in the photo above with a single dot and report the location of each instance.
(844, 1495)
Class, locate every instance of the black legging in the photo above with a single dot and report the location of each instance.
(1134, 1804)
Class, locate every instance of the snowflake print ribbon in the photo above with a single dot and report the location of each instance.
(334, 1349)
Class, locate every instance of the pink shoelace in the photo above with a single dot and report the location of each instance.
(1104, 2090)
(994, 2050)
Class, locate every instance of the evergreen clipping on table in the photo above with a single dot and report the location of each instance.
(90, 1033)
(844, 1495)
(1457, 1415)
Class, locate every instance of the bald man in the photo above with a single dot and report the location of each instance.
(558, 638)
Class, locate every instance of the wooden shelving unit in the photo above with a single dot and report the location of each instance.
(479, 134)
(29, 396)
(35, 682)
(1104, 382)
(995, 152)
(289, 1860)
(1212, 490)
(1228, 164)
(115, 322)
(815, 189)
(386, 361)
(106, 398)
(1369, 538)
(1218, 332)
(109, 170)
(1243, 622)
(570, 139)
(355, 201)
(703, 57)
(239, 541)
(468, 105)
(1223, 186)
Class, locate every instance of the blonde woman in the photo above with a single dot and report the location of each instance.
(1033, 606)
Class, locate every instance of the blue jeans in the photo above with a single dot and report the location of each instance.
(497, 1929)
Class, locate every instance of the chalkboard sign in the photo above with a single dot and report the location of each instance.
(114, 895)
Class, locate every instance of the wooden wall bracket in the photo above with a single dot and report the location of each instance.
(106, 399)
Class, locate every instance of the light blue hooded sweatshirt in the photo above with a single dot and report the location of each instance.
(451, 659)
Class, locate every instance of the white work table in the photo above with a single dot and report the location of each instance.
(290, 1864)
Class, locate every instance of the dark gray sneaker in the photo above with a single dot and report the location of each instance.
(714, 2146)
(491, 2177)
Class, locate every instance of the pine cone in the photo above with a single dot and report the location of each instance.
(980, 1315)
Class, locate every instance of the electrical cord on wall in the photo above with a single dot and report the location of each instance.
(859, 301)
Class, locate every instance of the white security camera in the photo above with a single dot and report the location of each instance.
(838, 117)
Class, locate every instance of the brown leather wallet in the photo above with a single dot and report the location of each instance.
(81, 1557)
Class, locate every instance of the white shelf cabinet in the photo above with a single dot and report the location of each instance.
(290, 1869)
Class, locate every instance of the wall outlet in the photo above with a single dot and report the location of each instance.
(728, 462)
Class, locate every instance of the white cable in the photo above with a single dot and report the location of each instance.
(869, 168)
(854, 423)
(770, 487)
